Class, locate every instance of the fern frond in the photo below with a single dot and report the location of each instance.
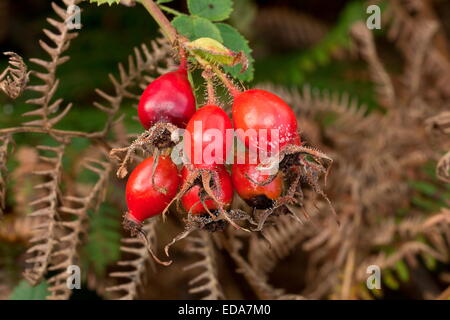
(289, 28)
(143, 67)
(46, 215)
(59, 43)
(14, 79)
(136, 267)
(440, 125)
(74, 227)
(405, 21)
(280, 240)
(443, 168)
(310, 102)
(5, 141)
(207, 281)
(257, 282)
(365, 42)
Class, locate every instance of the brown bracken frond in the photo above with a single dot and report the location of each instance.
(278, 242)
(290, 28)
(60, 41)
(256, 280)
(137, 266)
(207, 282)
(15, 77)
(365, 42)
(46, 215)
(73, 227)
(143, 66)
(5, 141)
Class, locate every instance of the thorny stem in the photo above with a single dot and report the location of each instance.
(232, 88)
(208, 75)
(183, 58)
(168, 30)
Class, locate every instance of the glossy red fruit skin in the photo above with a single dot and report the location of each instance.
(169, 98)
(243, 177)
(260, 109)
(210, 117)
(143, 200)
(190, 200)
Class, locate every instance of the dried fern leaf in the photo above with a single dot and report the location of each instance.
(385, 89)
(46, 215)
(73, 226)
(207, 281)
(59, 41)
(5, 141)
(144, 65)
(136, 268)
(280, 240)
(14, 79)
(289, 28)
(405, 21)
(257, 282)
(443, 168)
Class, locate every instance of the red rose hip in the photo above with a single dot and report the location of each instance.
(258, 109)
(146, 200)
(191, 200)
(169, 98)
(259, 190)
(207, 143)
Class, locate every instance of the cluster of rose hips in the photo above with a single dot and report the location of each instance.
(205, 189)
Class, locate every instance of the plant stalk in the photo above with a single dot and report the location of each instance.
(166, 27)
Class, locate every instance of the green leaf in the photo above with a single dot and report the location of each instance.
(103, 246)
(163, 1)
(402, 270)
(424, 187)
(196, 27)
(389, 280)
(214, 10)
(233, 40)
(430, 262)
(100, 2)
(24, 291)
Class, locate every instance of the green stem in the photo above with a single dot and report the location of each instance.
(166, 27)
(170, 10)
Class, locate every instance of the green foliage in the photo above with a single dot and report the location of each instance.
(214, 10)
(389, 280)
(402, 270)
(233, 40)
(194, 27)
(24, 291)
(103, 246)
(430, 194)
(200, 24)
